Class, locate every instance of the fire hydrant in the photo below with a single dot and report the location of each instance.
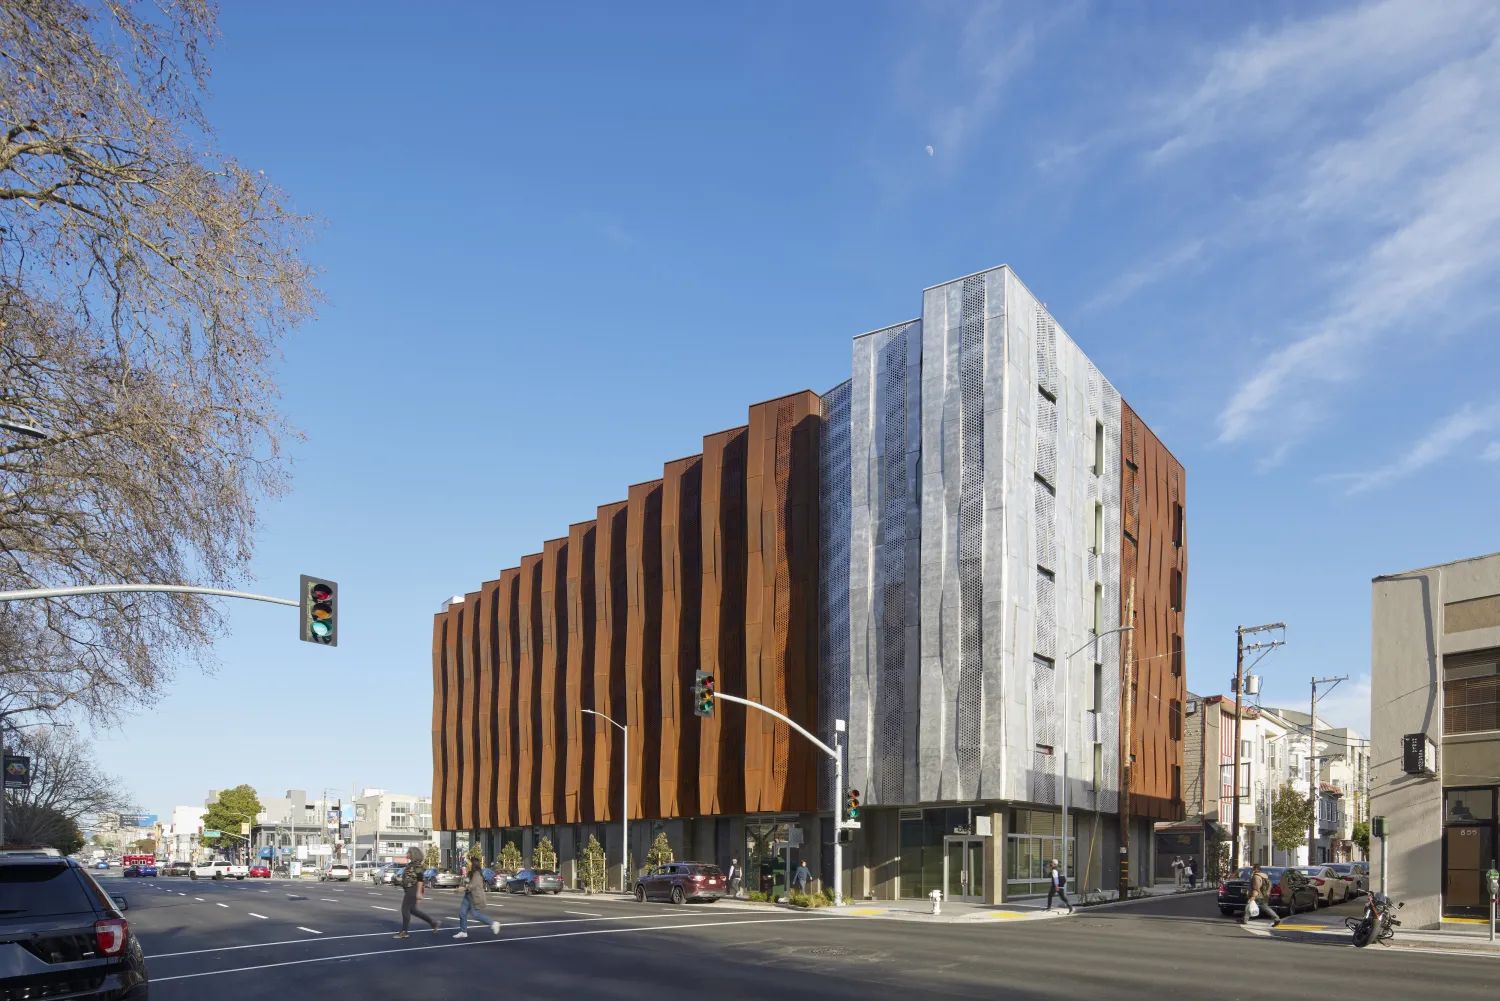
(937, 901)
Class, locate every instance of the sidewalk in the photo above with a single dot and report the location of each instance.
(1458, 938)
(959, 912)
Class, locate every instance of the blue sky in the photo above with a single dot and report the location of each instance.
(559, 251)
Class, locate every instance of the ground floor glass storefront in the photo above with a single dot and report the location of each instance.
(1469, 850)
(1035, 839)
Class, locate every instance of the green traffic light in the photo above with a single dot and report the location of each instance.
(320, 628)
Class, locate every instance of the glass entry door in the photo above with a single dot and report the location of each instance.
(963, 869)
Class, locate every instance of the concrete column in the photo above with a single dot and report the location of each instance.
(994, 860)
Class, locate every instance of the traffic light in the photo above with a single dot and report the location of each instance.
(845, 836)
(851, 808)
(320, 611)
(703, 694)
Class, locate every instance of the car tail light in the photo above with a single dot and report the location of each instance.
(110, 936)
(1276, 891)
(1317, 881)
(1221, 887)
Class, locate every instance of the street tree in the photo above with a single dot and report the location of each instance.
(34, 824)
(1291, 815)
(510, 857)
(431, 858)
(593, 865)
(660, 852)
(147, 280)
(1362, 837)
(233, 807)
(65, 778)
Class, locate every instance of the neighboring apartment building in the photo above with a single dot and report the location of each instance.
(180, 836)
(386, 825)
(1343, 782)
(1435, 725)
(917, 551)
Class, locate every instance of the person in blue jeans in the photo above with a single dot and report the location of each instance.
(474, 901)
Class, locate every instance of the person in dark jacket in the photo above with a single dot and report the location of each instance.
(412, 892)
(1058, 887)
(474, 900)
(801, 877)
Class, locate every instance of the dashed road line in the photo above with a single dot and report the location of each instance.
(379, 908)
(312, 931)
(199, 899)
(217, 904)
(584, 914)
(261, 916)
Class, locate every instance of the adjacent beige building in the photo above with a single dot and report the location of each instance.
(1435, 676)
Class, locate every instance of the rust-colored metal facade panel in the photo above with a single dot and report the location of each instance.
(643, 645)
(610, 604)
(781, 634)
(452, 651)
(507, 656)
(441, 804)
(489, 728)
(468, 709)
(682, 585)
(528, 692)
(1153, 553)
(552, 757)
(578, 777)
(721, 647)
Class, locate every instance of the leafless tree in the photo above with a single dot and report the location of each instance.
(64, 775)
(146, 282)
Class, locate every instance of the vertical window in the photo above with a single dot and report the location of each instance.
(1176, 590)
(1098, 767)
(1177, 524)
(1174, 720)
(1098, 608)
(1098, 448)
(1176, 782)
(1246, 752)
(1098, 703)
(1177, 655)
(1098, 546)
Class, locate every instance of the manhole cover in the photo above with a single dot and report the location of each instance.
(829, 950)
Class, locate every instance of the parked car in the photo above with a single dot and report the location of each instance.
(336, 873)
(1291, 891)
(390, 874)
(181, 868)
(441, 879)
(680, 882)
(59, 928)
(495, 878)
(140, 869)
(1332, 888)
(534, 881)
(260, 872)
(1356, 874)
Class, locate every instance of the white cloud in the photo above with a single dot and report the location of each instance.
(1437, 444)
(1347, 705)
(1154, 270)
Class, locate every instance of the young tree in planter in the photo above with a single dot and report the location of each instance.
(544, 856)
(476, 854)
(660, 853)
(433, 857)
(593, 866)
(510, 857)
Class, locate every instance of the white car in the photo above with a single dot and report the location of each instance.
(1356, 874)
(336, 873)
(1332, 888)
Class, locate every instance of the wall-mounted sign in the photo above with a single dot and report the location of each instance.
(1418, 754)
(137, 820)
(18, 771)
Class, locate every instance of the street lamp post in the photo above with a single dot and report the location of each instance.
(624, 799)
(1067, 725)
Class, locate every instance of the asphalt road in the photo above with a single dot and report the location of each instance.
(280, 940)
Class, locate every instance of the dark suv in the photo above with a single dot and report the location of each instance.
(62, 936)
(680, 882)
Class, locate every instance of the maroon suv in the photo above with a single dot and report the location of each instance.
(680, 882)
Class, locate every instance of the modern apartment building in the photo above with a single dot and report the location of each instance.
(939, 551)
(386, 825)
(1435, 727)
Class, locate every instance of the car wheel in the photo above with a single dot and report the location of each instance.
(193, 875)
(1225, 910)
(556, 892)
(677, 897)
(640, 893)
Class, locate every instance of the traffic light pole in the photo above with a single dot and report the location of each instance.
(838, 787)
(63, 592)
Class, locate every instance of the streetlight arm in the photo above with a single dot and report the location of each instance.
(788, 721)
(63, 592)
(1096, 639)
(592, 712)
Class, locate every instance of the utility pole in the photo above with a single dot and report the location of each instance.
(1240, 646)
(1127, 718)
(1314, 772)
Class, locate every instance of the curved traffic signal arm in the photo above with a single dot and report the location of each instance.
(319, 605)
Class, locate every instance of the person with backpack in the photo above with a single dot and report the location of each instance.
(474, 901)
(1258, 898)
(412, 891)
(1058, 887)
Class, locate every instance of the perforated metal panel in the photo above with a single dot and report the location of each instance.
(1046, 438)
(1044, 515)
(891, 544)
(1043, 730)
(1046, 353)
(1046, 613)
(969, 715)
(834, 510)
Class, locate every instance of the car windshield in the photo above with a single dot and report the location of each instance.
(707, 870)
(525, 874)
(1272, 874)
(41, 889)
(1311, 870)
(1343, 867)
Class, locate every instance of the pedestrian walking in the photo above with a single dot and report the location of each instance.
(801, 877)
(1260, 890)
(1059, 887)
(1177, 869)
(733, 877)
(474, 901)
(412, 892)
(1192, 874)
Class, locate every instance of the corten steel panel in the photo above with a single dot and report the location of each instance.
(439, 715)
(453, 676)
(721, 775)
(488, 617)
(468, 711)
(781, 629)
(682, 584)
(1147, 494)
(609, 658)
(578, 789)
(528, 692)
(552, 749)
(507, 656)
(643, 645)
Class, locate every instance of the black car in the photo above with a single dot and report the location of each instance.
(1291, 891)
(180, 868)
(61, 935)
(534, 881)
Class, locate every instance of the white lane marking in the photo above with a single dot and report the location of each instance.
(310, 931)
(378, 934)
(329, 899)
(265, 891)
(254, 915)
(374, 894)
(379, 908)
(483, 941)
(585, 914)
(217, 904)
(199, 899)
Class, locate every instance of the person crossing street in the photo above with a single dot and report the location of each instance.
(1058, 887)
(474, 901)
(412, 892)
